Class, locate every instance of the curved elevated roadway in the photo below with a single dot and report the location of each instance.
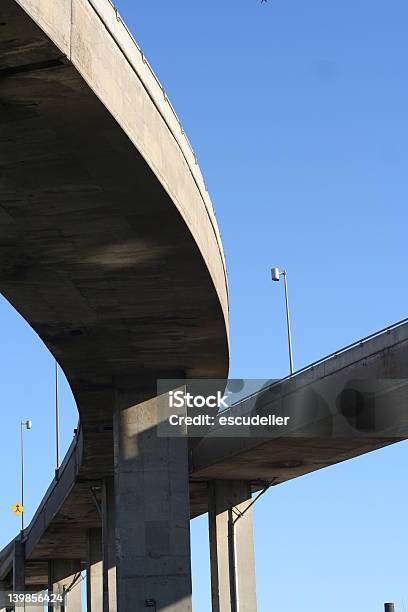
(325, 433)
(110, 250)
(109, 245)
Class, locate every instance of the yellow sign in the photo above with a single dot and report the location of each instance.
(18, 509)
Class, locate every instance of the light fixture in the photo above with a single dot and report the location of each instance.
(276, 274)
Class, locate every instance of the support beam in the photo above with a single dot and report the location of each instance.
(109, 547)
(94, 572)
(64, 577)
(233, 585)
(4, 589)
(18, 571)
(152, 506)
(19, 566)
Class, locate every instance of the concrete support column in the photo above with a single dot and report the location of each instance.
(34, 608)
(94, 571)
(233, 585)
(18, 570)
(38, 589)
(19, 566)
(109, 546)
(64, 577)
(152, 510)
(3, 588)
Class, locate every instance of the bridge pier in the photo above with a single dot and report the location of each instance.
(62, 576)
(233, 584)
(94, 572)
(18, 570)
(19, 566)
(3, 587)
(152, 505)
(109, 545)
(31, 607)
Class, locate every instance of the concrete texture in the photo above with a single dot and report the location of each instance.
(64, 578)
(109, 545)
(68, 510)
(18, 566)
(152, 509)
(94, 571)
(111, 252)
(3, 587)
(110, 248)
(89, 34)
(381, 360)
(97, 255)
(31, 608)
(91, 215)
(233, 583)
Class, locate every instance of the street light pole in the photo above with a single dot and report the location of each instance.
(57, 416)
(276, 277)
(288, 322)
(26, 425)
(22, 474)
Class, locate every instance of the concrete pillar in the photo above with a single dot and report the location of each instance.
(152, 510)
(64, 577)
(109, 546)
(19, 571)
(233, 585)
(19, 566)
(94, 572)
(4, 589)
(38, 590)
(34, 608)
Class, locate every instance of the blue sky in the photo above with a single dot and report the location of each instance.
(298, 114)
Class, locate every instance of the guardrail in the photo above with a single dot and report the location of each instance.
(311, 366)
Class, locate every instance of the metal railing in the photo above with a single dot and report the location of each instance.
(311, 366)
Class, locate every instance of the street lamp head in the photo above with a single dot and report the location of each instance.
(275, 274)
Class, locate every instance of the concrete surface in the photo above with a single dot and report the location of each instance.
(152, 509)
(109, 545)
(110, 248)
(18, 566)
(94, 571)
(256, 460)
(233, 578)
(313, 396)
(111, 252)
(64, 579)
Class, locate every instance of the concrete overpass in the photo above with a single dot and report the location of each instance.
(110, 250)
(75, 509)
